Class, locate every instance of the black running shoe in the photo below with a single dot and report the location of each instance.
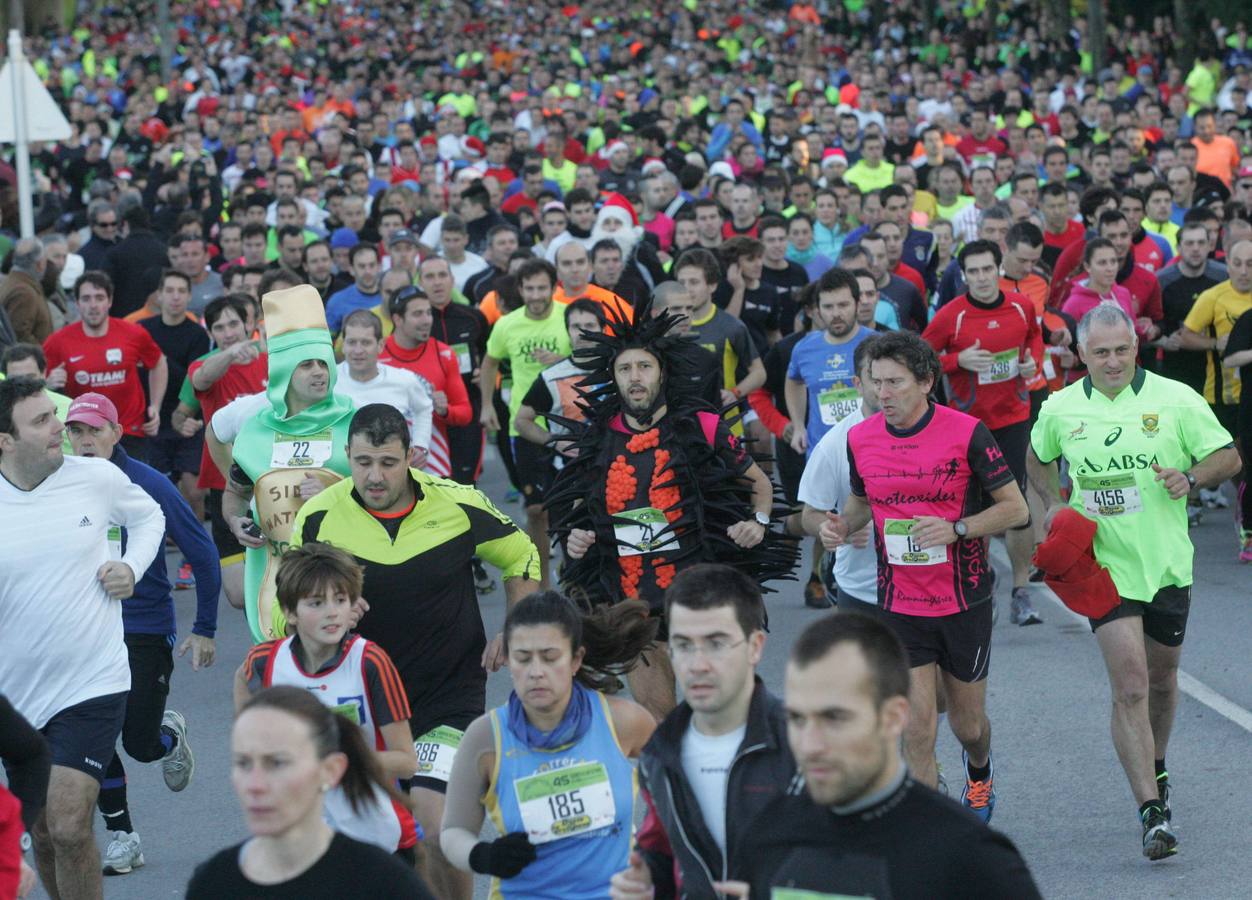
(1159, 840)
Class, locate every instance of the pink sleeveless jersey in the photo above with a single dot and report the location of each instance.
(945, 468)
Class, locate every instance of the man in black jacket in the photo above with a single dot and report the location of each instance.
(721, 755)
(860, 826)
(135, 263)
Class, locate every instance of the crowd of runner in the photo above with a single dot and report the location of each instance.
(719, 288)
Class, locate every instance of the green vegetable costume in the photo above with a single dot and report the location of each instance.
(276, 451)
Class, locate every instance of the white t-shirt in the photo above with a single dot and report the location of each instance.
(466, 269)
(228, 421)
(706, 763)
(60, 632)
(825, 485)
(407, 392)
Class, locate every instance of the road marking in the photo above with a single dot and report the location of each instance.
(1200, 691)
(1190, 685)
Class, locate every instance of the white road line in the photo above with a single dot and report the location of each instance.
(1198, 690)
(1190, 685)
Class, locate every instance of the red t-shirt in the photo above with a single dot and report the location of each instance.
(514, 204)
(1000, 396)
(970, 147)
(436, 362)
(237, 382)
(107, 365)
(1074, 231)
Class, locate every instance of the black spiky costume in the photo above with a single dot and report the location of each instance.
(661, 500)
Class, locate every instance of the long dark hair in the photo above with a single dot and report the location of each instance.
(612, 635)
(331, 733)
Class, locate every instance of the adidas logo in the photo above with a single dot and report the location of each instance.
(84, 523)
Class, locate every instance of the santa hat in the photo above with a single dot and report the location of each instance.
(615, 205)
(652, 165)
(472, 147)
(614, 146)
(834, 156)
(722, 168)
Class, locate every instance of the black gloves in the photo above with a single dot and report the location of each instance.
(504, 857)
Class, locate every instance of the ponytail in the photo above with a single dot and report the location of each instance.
(613, 636)
(331, 733)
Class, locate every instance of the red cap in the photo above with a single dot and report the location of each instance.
(428, 140)
(92, 409)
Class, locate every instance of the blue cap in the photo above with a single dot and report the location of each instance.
(343, 237)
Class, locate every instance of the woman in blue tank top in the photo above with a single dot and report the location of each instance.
(552, 767)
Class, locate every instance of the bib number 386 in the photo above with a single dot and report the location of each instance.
(568, 802)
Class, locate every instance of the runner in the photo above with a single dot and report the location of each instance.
(150, 731)
(301, 439)
(929, 517)
(238, 367)
(74, 692)
(292, 848)
(415, 535)
(1136, 443)
(411, 347)
(657, 484)
(365, 381)
(721, 755)
(529, 340)
(989, 347)
(319, 590)
(859, 823)
(103, 355)
(819, 388)
(552, 767)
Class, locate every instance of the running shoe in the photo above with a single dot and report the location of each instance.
(815, 594)
(1162, 790)
(1022, 611)
(123, 853)
(979, 796)
(178, 765)
(1037, 575)
(941, 784)
(1214, 499)
(483, 583)
(512, 495)
(1158, 838)
(185, 581)
(1245, 548)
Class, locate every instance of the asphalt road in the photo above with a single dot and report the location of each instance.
(1062, 796)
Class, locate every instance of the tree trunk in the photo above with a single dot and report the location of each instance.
(1185, 37)
(1097, 39)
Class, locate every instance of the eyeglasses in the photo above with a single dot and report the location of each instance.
(713, 648)
(106, 224)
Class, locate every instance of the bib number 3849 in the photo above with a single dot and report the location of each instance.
(568, 802)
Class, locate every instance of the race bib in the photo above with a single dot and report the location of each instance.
(464, 362)
(780, 893)
(436, 750)
(837, 404)
(350, 711)
(568, 802)
(902, 549)
(1004, 367)
(638, 531)
(114, 538)
(1109, 495)
(301, 452)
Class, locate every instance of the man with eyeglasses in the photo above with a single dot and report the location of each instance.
(102, 217)
(721, 755)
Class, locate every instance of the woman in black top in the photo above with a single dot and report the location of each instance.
(287, 751)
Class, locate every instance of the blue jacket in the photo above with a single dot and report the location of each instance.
(151, 609)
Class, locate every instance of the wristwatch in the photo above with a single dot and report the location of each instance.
(1190, 478)
(761, 519)
(960, 528)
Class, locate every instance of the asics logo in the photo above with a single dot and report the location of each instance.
(1113, 436)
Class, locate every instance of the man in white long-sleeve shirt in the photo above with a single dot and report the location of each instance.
(366, 382)
(63, 662)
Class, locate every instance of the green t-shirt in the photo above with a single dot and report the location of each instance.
(949, 212)
(1111, 446)
(515, 338)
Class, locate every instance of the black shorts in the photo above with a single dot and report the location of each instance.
(83, 737)
(229, 550)
(1013, 440)
(960, 644)
(1164, 619)
(136, 447)
(458, 720)
(172, 454)
(1036, 404)
(790, 470)
(534, 470)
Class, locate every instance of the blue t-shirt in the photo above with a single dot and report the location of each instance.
(343, 303)
(826, 370)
